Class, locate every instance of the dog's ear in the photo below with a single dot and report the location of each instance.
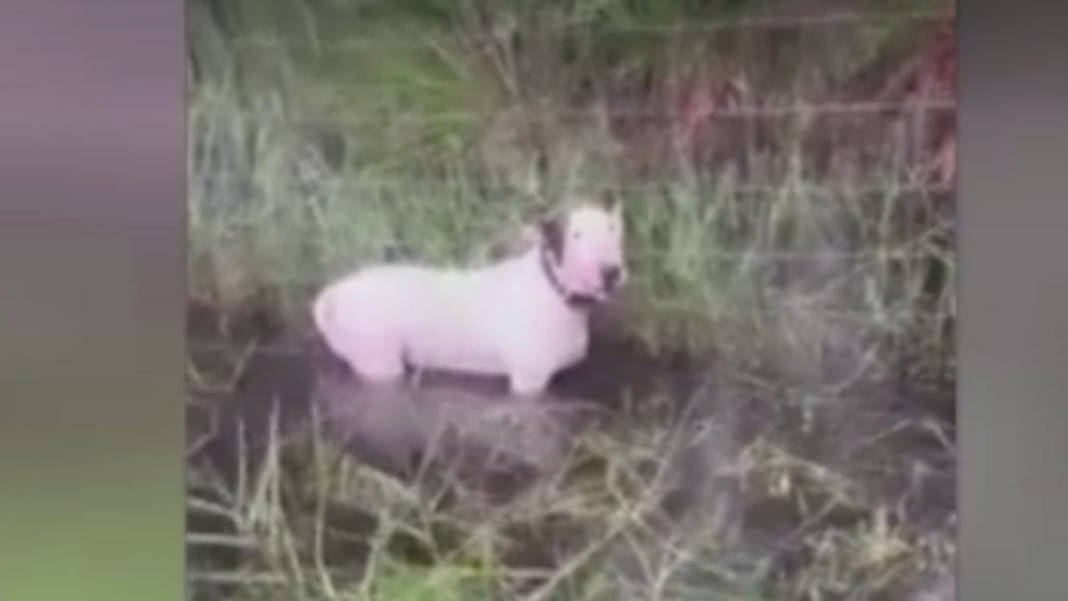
(551, 226)
(610, 203)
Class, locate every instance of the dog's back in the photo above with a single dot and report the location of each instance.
(436, 317)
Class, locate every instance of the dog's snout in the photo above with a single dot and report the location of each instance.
(611, 275)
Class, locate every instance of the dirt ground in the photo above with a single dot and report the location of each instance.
(897, 446)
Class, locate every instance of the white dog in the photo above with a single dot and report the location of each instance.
(525, 317)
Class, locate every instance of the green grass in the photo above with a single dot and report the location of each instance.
(598, 520)
(796, 286)
(443, 164)
(712, 260)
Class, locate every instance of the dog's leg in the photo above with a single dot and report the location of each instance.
(528, 383)
(382, 369)
(376, 359)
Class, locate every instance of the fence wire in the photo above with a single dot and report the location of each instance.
(888, 320)
(851, 19)
(795, 110)
(786, 187)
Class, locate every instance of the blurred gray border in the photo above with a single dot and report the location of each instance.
(92, 252)
(1013, 398)
(92, 236)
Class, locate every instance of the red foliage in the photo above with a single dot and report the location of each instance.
(712, 117)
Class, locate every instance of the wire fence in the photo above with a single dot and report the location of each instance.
(918, 248)
(849, 19)
(886, 320)
(387, 117)
(934, 241)
(786, 187)
(798, 109)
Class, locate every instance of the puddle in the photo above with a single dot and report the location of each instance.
(887, 446)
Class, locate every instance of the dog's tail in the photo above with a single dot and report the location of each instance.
(322, 311)
(329, 363)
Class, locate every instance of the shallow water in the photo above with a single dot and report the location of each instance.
(895, 446)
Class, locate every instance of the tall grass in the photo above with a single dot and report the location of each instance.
(440, 166)
(709, 256)
(328, 135)
(313, 523)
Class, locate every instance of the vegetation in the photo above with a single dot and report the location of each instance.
(326, 134)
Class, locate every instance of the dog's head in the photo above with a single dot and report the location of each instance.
(585, 248)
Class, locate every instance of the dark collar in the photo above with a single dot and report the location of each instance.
(579, 302)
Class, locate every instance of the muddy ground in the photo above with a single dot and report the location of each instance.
(896, 444)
